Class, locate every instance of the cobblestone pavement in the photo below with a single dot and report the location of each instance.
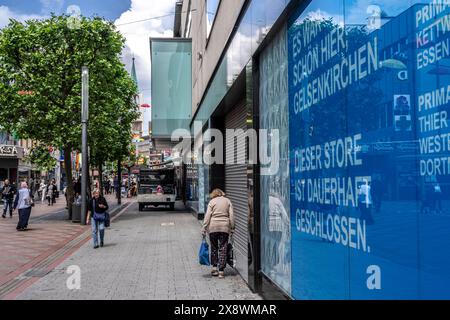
(25, 255)
(147, 255)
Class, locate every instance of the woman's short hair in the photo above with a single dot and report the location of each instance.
(217, 193)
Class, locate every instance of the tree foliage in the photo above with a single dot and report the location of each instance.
(40, 85)
(42, 158)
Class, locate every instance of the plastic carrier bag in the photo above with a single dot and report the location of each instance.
(203, 254)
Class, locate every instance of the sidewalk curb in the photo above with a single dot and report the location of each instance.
(49, 260)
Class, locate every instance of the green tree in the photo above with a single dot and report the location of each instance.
(40, 155)
(40, 85)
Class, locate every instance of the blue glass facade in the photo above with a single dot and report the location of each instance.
(274, 186)
(369, 94)
(364, 178)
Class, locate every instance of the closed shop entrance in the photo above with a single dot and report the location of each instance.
(236, 184)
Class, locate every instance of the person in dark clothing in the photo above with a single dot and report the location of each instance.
(8, 191)
(106, 185)
(377, 193)
(31, 185)
(117, 187)
(51, 193)
(77, 187)
(98, 206)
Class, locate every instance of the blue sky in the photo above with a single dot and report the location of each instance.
(124, 13)
(109, 9)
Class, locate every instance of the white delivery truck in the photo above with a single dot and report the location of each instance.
(156, 187)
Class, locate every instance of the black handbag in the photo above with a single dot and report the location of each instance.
(107, 220)
(230, 255)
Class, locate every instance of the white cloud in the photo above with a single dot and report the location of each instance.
(321, 15)
(6, 14)
(52, 5)
(357, 13)
(138, 34)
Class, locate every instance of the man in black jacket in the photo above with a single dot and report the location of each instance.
(8, 191)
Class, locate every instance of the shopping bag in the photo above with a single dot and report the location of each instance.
(203, 254)
(230, 255)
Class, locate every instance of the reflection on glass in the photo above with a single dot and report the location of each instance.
(369, 93)
(274, 197)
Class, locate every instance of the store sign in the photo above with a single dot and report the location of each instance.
(369, 219)
(11, 151)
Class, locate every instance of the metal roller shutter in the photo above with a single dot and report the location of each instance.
(236, 189)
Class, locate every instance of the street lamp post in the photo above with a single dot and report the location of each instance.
(119, 182)
(84, 122)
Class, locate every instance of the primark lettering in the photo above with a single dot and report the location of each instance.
(435, 139)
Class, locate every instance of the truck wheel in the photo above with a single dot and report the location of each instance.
(172, 206)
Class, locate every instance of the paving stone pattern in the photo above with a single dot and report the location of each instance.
(147, 255)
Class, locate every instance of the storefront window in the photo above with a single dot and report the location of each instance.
(369, 96)
(275, 221)
(203, 177)
(3, 174)
(192, 183)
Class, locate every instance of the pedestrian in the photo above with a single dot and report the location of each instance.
(377, 192)
(98, 207)
(51, 193)
(105, 189)
(36, 186)
(365, 202)
(31, 185)
(42, 191)
(111, 185)
(77, 187)
(116, 186)
(219, 223)
(8, 191)
(437, 198)
(24, 203)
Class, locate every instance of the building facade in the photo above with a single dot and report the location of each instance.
(349, 198)
(15, 164)
(10, 155)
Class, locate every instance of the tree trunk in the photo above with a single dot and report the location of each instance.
(68, 169)
(100, 177)
(119, 182)
(129, 181)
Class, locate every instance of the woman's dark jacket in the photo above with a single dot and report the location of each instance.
(96, 203)
(8, 192)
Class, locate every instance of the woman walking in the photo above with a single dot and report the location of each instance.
(97, 211)
(23, 202)
(219, 223)
(42, 191)
(51, 193)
